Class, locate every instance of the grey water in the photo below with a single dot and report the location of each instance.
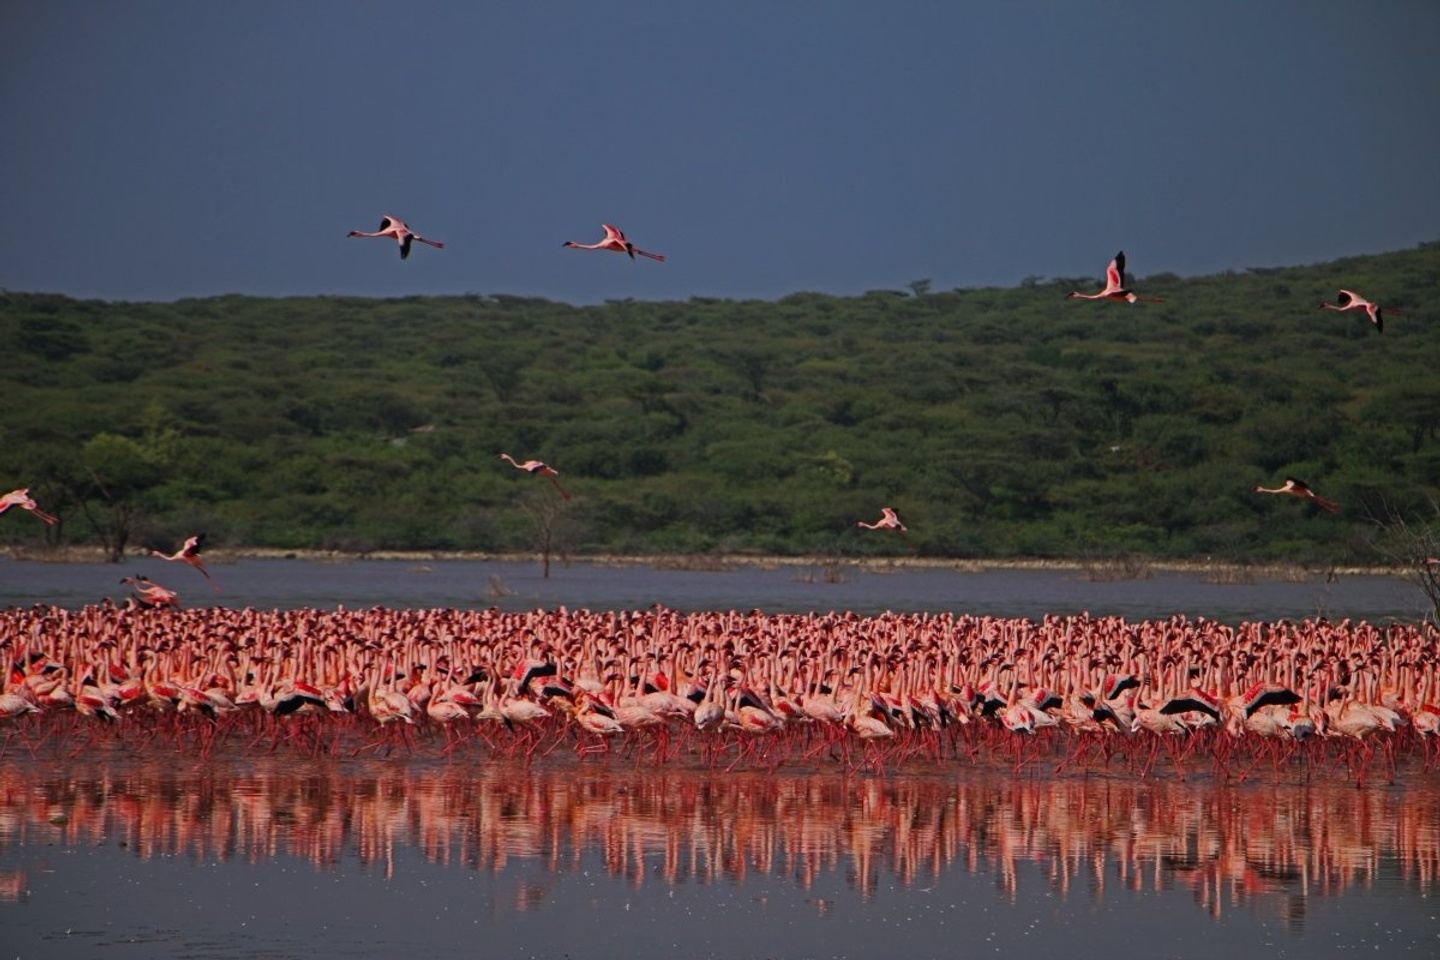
(274, 857)
(287, 583)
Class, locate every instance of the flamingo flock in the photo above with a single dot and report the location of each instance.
(880, 690)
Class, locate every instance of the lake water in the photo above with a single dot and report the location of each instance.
(514, 585)
(279, 857)
(162, 854)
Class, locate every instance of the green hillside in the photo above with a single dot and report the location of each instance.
(998, 422)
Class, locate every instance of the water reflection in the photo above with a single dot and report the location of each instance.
(1095, 838)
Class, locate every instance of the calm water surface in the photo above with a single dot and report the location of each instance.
(518, 586)
(285, 856)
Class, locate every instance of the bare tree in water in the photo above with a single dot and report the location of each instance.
(1413, 545)
(554, 525)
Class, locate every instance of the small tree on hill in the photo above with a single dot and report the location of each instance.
(1413, 545)
(554, 525)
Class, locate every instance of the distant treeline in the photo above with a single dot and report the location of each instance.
(997, 422)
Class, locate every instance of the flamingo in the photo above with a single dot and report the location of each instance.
(710, 713)
(538, 468)
(395, 227)
(14, 704)
(442, 709)
(596, 718)
(1298, 488)
(190, 553)
(1350, 300)
(151, 594)
(1114, 286)
(518, 711)
(863, 719)
(21, 498)
(889, 520)
(614, 240)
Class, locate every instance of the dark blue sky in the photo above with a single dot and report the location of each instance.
(159, 150)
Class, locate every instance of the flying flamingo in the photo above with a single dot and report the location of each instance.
(1350, 300)
(190, 553)
(1114, 286)
(614, 240)
(1298, 488)
(21, 498)
(151, 594)
(538, 468)
(395, 227)
(889, 520)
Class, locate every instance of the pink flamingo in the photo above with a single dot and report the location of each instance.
(1114, 286)
(395, 227)
(614, 240)
(1298, 488)
(538, 468)
(151, 594)
(1350, 300)
(889, 520)
(190, 553)
(21, 498)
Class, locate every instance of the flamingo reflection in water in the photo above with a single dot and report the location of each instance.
(1084, 837)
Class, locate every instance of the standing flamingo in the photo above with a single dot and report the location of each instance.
(190, 553)
(538, 468)
(1350, 300)
(615, 241)
(1114, 286)
(395, 227)
(21, 498)
(1298, 488)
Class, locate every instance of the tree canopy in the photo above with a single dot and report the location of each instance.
(997, 422)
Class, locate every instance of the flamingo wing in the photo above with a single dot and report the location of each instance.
(1186, 704)
(1278, 695)
(611, 233)
(1115, 273)
(1345, 298)
(405, 245)
(547, 669)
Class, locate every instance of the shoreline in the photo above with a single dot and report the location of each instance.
(1119, 568)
